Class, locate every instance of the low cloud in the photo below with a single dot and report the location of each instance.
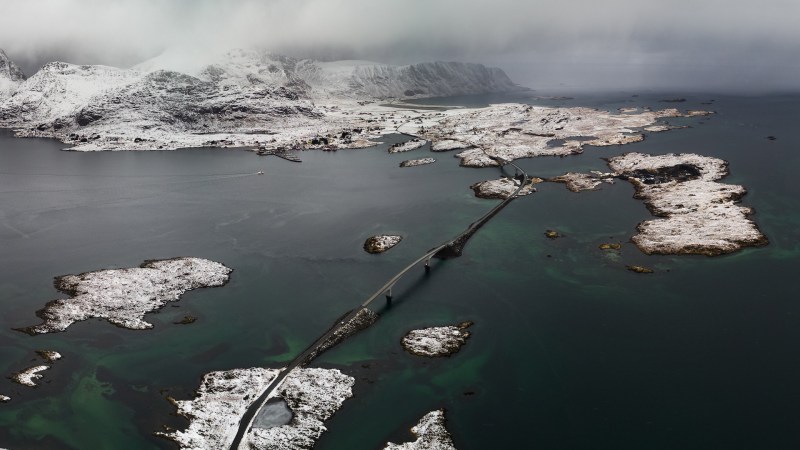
(712, 44)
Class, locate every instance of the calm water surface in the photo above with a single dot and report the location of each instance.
(569, 350)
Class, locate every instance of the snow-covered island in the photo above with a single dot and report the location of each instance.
(577, 182)
(4, 399)
(381, 243)
(29, 376)
(417, 162)
(49, 355)
(312, 395)
(407, 146)
(436, 341)
(431, 434)
(502, 188)
(697, 214)
(124, 296)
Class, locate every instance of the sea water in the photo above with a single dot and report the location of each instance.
(568, 350)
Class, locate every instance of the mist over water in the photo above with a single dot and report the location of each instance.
(573, 44)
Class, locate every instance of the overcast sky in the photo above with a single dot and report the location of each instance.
(571, 44)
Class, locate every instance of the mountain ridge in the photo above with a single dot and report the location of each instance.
(239, 92)
(10, 76)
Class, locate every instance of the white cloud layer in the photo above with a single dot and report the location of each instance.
(686, 43)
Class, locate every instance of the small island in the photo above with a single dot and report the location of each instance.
(407, 146)
(29, 376)
(502, 188)
(417, 162)
(124, 296)
(696, 213)
(431, 434)
(577, 182)
(49, 355)
(381, 243)
(436, 341)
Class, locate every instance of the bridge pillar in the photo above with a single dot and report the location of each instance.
(428, 265)
(389, 297)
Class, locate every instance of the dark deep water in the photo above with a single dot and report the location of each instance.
(569, 351)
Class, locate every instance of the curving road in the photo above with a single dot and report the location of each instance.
(448, 249)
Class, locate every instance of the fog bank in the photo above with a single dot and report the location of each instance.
(615, 44)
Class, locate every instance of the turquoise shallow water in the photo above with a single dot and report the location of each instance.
(569, 350)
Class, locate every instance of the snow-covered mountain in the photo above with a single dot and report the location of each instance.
(342, 79)
(373, 80)
(10, 76)
(58, 91)
(241, 91)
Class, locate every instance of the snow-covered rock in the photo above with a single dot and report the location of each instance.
(697, 214)
(313, 396)
(407, 146)
(381, 243)
(29, 376)
(431, 434)
(448, 144)
(476, 157)
(417, 162)
(512, 131)
(49, 355)
(124, 296)
(577, 182)
(502, 188)
(4, 399)
(436, 341)
(219, 404)
(54, 96)
(10, 76)
(361, 321)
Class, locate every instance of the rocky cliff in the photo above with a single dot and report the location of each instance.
(10, 76)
